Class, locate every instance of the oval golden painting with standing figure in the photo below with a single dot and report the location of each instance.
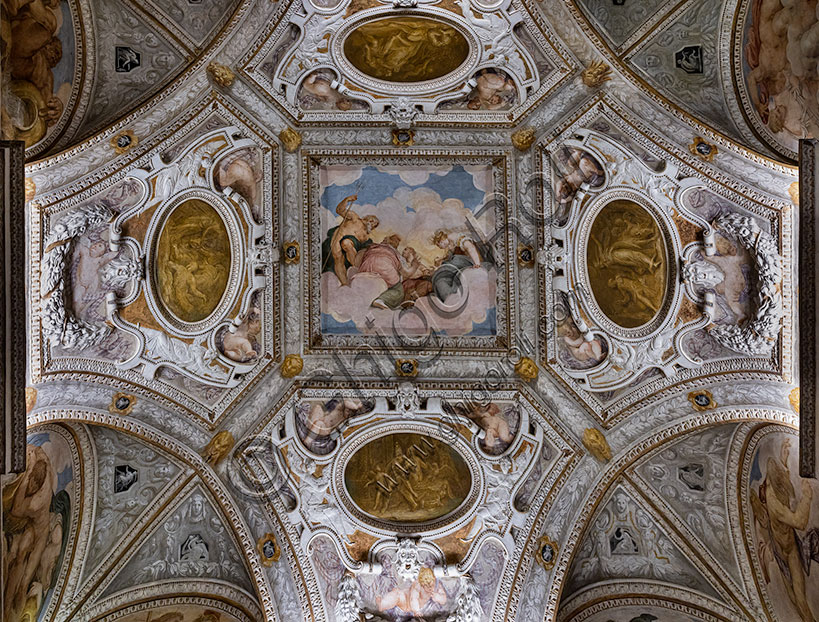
(192, 261)
(406, 49)
(407, 478)
(627, 263)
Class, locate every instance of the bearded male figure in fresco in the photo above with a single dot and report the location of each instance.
(772, 508)
(339, 249)
(33, 535)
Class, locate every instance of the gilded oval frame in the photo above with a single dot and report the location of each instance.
(441, 84)
(671, 297)
(233, 227)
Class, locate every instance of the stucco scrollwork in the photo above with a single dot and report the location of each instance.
(216, 345)
(501, 61)
(574, 258)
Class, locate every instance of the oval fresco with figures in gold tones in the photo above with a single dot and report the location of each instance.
(192, 261)
(406, 49)
(627, 263)
(407, 478)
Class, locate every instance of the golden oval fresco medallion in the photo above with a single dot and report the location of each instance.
(406, 49)
(407, 478)
(627, 263)
(192, 261)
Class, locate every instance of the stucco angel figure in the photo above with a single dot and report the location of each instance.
(316, 502)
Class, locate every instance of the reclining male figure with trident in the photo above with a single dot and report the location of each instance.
(339, 248)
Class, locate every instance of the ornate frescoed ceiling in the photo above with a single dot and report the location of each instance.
(409, 310)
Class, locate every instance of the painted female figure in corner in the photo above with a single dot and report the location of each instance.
(463, 253)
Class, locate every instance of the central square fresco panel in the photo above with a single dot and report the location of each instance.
(408, 252)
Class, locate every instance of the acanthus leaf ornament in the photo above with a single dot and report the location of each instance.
(347, 607)
(596, 444)
(221, 74)
(526, 368)
(291, 366)
(291, 139)
(30, 189)
(218, 447)
(793, 399)
(523, 138)
(596, 74)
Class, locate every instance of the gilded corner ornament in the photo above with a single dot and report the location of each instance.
(218, 447)
(403, 138)
(702, 400)
(596, 74)
(291, 139)
(703, 149)
(291, 366)
(523, 138)
(124, 141)
(793, 398)
(793, 192)
(30, 189)
(546, 552)
(122, 404)
(527, 369)
(596, 444)
(221, 74)
(292, 252)
(269, 550)
(407, 368)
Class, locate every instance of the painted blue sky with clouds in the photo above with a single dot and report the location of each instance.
(376, 185)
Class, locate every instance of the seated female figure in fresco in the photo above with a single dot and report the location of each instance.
(463, 253)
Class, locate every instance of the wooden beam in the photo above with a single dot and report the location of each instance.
(13, 307)
(808, 180)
